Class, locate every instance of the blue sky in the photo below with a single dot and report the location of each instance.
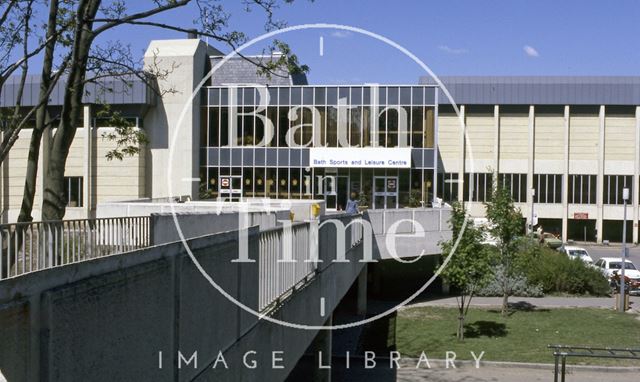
(503, 37)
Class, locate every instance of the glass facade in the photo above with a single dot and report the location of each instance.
(257, 142)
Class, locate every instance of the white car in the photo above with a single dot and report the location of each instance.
(610, 264)
(577, 253)
(487, 238)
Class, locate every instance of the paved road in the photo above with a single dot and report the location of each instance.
(516, 374)
(543, 302)
(613, 250)
(466, 372)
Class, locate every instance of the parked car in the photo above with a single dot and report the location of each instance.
(576, 253)
(611, 267)
(549, 239)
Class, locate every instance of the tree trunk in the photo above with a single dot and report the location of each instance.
(505, 283)
(54, 204)
(461, 312)
(41, 118)
(505, 304)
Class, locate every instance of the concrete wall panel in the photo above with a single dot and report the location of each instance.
(480, 136)
(549, 137)
(583, 137)
(514, 136)
(14, 335)
(449, 141)
(619, 137)
(113, 320)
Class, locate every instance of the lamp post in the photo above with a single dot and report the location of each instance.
(625, 197)
(533, 196)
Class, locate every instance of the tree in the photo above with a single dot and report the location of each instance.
(93, 18)
(506, 227)
(469, 268)
(64, 38)
(56, 26)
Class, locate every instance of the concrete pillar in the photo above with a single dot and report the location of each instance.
(87, 153)
(362, 292)
(436, 155)
(321, 348)
(565, 177)
(185, 61)
(496, 138)
(461, 156)
(531, 156)
(599, 202)
(3, 193)
(375, 110)
(636, 176)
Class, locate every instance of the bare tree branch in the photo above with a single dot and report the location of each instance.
(110, 23)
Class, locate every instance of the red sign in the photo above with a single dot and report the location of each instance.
(581, 215)
(224, 182)
(391, 184)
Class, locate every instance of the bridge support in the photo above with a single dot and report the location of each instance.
(322, 349)
(362, 292)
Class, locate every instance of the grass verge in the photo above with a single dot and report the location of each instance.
(521, 337)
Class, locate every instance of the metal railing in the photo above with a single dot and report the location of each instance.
(561, 352)
(286, 261)
(30, 247)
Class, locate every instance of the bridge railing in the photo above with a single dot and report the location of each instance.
(285, 260)
(30, 247)
(290, 255)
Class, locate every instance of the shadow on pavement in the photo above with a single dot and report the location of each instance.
(521, 306)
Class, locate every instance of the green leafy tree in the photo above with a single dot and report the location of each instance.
(506, 227)
(469, 268)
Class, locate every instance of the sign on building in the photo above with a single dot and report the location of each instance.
(361, 157)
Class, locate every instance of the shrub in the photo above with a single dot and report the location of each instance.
(558, 273)
(519, 285)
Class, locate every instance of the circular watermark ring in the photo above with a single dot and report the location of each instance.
(185, 110)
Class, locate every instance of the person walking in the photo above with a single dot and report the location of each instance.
(352, 204)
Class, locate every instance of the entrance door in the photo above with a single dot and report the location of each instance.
(336, 191)
(385, 192)
(230, 187)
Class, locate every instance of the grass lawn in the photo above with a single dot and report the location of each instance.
(522, 337)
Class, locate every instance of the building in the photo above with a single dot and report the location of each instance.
(575, 140)
(90, 177)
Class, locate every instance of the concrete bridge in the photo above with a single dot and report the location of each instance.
(150, 314)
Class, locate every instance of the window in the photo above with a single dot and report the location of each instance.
(448, 186)
(73, 190)
(478, 186)
(613, 186)
(548, 188)
(582, 189)
(517, 184)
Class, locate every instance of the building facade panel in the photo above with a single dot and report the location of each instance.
(549, 137)
(449, 132)
(618, 131)
(480, 136)
(514, 141)
(584, 137)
